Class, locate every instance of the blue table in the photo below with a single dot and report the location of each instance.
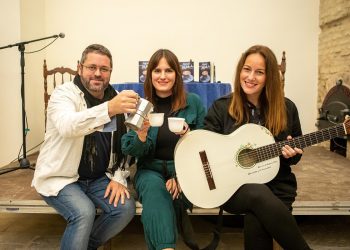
(208, 92)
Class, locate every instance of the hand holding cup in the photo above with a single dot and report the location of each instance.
(176, 124)
(156, 119)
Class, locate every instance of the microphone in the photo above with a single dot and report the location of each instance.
(61, 35)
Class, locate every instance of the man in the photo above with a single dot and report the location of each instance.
(71, 168)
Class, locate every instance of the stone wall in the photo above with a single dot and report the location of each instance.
(334, 48)
(334, 44)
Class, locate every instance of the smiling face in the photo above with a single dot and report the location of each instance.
(253, 77)
(163, 78)
(95, 74)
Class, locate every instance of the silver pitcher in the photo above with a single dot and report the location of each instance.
(135, 120)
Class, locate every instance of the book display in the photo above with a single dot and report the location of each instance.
(204, 72)
(187, 71)
(142, 70)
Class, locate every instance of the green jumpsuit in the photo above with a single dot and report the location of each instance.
(158, 213)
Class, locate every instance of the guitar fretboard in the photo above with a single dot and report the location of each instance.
(273, 150)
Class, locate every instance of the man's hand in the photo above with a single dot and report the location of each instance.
(125, 102)
(116, 191)
(288, 152)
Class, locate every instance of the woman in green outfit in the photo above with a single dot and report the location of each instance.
(155, 179)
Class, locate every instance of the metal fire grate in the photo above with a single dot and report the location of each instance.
(335, 106)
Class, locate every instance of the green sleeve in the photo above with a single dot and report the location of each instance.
(131, 145)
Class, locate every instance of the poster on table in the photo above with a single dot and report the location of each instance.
(187, 71)
(204, 72)
(142, 71)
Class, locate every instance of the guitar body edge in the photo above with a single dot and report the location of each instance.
(224, 154)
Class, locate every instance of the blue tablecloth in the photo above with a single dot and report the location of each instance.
(208, 92)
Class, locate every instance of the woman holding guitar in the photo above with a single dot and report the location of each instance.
(258, 97)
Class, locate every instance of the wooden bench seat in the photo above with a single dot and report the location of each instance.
(323, 188)
(299, 208)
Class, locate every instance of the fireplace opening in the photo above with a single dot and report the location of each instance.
(335, 106)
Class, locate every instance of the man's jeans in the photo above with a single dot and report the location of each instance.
(77, 203)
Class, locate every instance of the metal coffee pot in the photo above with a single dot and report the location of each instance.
(135, 120)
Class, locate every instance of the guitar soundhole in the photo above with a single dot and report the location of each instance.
(247, 158)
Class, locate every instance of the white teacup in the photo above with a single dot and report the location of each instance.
(176, 124)
(156, 119)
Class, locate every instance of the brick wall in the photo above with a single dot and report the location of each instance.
(334, 48)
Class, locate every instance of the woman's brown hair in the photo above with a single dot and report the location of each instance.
(271, 100)
(179, 93)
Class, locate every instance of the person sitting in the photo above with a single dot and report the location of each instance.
(153, 147)
(258, 97)
(71, 168)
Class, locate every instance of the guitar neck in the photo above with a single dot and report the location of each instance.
(273, 150)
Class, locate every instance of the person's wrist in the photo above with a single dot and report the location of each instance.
(142, 138)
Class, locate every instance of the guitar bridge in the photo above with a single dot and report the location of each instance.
(207, 170)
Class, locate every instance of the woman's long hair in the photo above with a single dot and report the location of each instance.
(179, 93)
(271, 100)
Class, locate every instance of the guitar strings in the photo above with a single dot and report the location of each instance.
(273, 150)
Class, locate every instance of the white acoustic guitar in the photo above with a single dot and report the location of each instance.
(210, 167)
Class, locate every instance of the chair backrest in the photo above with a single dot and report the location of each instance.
(282, 67)
(50, 82)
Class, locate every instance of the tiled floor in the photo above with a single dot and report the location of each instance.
(42, 231)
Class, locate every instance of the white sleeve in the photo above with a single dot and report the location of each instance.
(119, 176)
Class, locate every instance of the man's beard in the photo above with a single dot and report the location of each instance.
(93, 88)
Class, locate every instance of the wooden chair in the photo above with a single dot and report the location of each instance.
(282, 67)
(64, 73)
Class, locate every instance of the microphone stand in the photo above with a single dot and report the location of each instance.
(24, 163)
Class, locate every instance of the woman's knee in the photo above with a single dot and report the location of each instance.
(249, 196)
(149, 180)
(151, 186)
(256, 193)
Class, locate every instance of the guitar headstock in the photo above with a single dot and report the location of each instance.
(346, 124)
